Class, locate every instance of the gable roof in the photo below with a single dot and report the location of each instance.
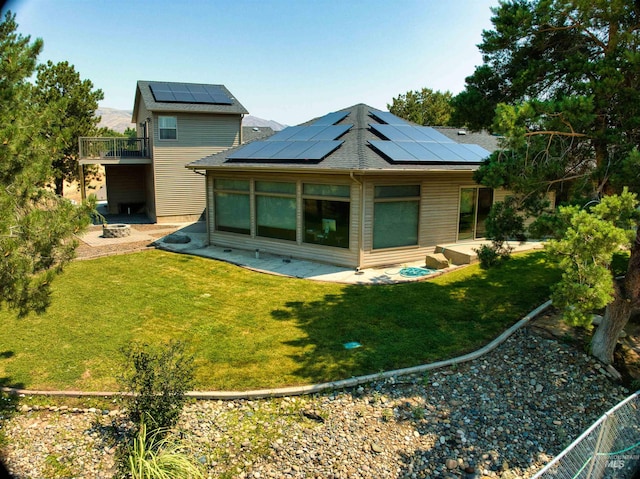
(145, 94)
(350, 139)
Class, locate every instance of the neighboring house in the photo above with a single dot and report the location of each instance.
(357, 187)
(176, 123)
(252, 133)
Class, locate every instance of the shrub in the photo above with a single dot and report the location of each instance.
(157, 379)
(493, 254)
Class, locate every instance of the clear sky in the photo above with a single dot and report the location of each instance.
(284, 60)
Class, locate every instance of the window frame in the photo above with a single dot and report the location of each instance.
(231, 191)
(164, 128)
(320, 197)
(274, 194)
(397, 199)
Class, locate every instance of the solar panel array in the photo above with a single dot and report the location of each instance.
(189, 93)
(406, 143)
(297, 143)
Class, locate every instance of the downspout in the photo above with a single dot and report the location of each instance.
(361, 226)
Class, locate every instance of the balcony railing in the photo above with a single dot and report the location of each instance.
(114, 148)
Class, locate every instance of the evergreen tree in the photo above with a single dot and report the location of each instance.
(37, 227)
(60, 89)
(561, 82)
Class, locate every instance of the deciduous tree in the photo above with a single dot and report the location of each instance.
(424, 107)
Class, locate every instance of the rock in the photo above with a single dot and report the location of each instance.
(451, 464)
(436, 261)
(177, 238)
(377, 448)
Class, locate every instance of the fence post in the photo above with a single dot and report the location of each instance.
(594, 457)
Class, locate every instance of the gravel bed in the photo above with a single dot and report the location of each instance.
(503, 415)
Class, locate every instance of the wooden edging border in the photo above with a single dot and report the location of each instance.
(312, 388)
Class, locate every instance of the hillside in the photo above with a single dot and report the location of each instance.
(120, 120)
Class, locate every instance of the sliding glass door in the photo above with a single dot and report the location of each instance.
(475, 204)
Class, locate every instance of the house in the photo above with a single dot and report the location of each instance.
(357, 187)
(176, 123)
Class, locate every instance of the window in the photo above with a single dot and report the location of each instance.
(326, 214)
(395, 216)
(475, 204)
(168, 127)
(232, 206)
(276, 210)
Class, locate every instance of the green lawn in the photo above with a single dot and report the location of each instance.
(249, 330)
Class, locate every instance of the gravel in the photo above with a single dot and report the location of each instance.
(503, 415)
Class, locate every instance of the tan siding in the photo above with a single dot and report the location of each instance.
(179, 191)
(438, 216)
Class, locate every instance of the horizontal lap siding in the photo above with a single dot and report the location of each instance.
(438, 217)
(180, 191)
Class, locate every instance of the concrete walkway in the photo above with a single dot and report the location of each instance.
(286, 265)
(298, 268)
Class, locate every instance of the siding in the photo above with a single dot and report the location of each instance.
(440, 193)
(180, 192)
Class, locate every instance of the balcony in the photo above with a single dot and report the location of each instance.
(114, 151)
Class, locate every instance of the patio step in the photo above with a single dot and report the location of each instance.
(458, 255)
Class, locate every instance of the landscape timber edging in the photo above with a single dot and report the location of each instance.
(311, 388)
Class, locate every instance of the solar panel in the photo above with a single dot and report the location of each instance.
(285, 150)
(425, 152)
(388, 118)
(390, 132)
(410, 133)
(189, 93)
(393, 150)
(285, 134)
(331, 118)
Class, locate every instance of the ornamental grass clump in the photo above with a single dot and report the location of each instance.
(152, 455)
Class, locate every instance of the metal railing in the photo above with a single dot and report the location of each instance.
(113, 147)
(610, 448)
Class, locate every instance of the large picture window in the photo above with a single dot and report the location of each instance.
(168, 127)
(395, 216)
(327, 214)
(276, 210)
(232, 206)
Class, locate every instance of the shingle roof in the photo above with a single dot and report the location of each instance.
(144, 94)
(354, 154)
(252, 133)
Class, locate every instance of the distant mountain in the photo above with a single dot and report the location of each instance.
(250, 120)
(120, 120)
(117, 120)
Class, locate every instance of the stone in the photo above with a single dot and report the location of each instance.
(436, 261)
(451, 464)
(377, 448)
(177, 238)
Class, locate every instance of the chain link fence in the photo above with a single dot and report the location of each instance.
(610, 448)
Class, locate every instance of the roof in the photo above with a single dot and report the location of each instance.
(353, 150)
(252, 133)
(145, 94)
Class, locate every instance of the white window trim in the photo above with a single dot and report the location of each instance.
(160, 128)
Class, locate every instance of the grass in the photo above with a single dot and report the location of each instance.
(249, 330)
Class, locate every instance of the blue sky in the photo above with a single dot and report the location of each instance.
(287, 61)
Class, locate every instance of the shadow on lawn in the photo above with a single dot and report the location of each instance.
(409, 324)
